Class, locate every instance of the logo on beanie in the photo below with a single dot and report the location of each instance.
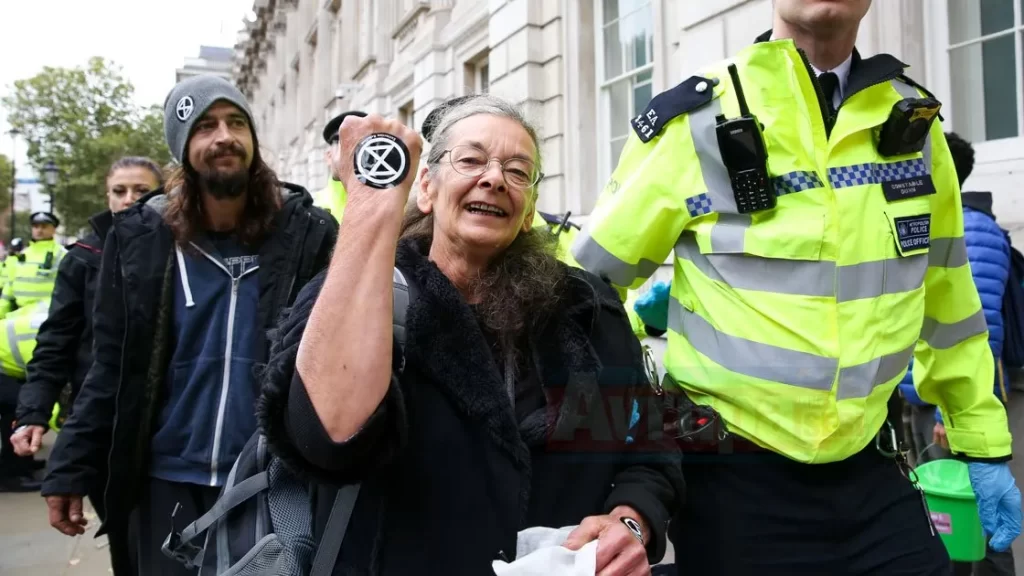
(184, 108)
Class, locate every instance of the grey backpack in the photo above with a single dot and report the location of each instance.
(262, 523)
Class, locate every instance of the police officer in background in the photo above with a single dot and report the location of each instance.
(815, 215)
(33, 277)
(333, 197)
(17, 342)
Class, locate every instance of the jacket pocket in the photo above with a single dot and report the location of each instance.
(793, 233)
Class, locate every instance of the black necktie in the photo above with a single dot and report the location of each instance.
(829, 84)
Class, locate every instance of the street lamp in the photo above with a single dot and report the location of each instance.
(50, 172)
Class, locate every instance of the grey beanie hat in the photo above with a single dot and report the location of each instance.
(189, 100)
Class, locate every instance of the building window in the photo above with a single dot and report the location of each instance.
(407, 114)
(477, 74)
(985, 38)
(625, 65)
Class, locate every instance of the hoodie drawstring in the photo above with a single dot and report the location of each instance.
(184, 278)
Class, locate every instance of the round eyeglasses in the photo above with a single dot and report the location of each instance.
(471, 162)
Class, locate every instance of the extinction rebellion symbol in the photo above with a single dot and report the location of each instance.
(183, 109)
(381, 161)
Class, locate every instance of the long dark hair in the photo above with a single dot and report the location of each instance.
(184, 208)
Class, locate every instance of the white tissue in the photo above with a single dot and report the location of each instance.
(539, 552)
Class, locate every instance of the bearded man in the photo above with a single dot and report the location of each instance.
(191, 281)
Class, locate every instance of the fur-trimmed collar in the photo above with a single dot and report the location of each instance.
(447, 346)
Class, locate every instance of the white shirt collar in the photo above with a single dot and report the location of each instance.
(843, 72)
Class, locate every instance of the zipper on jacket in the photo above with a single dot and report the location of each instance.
(120, 382)
(225, 384)
(825, 116)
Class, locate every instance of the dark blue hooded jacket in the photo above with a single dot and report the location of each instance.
(210, 408)
(989, 255)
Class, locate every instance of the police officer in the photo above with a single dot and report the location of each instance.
(33, 277)
(813, 207)
(333, 197)
(17, 342)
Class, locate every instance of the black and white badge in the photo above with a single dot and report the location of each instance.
(913, 232)
(381, 161)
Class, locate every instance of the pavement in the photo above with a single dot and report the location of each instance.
(30, 547)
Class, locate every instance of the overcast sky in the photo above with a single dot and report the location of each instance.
(149, 38)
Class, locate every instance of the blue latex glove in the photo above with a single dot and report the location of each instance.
(998, 502)
(652, 307)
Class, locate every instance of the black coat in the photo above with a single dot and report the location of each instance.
(120, 399)
(449, 476)
(63, 350)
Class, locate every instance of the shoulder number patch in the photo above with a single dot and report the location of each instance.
(691, 94)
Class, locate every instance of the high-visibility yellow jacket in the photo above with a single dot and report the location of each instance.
(18, 337)
(332, 198)
(565, 240)
(31, 279)
(797, 323)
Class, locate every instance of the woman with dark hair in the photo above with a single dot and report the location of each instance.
(510, 407)
(63, 350)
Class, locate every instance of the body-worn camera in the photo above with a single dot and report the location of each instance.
(907, 127)
(745, 156)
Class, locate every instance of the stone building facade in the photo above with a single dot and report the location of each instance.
(582, 68)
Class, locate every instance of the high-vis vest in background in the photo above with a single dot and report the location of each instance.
(31, 280)
(796, 323)
(332, 198)
(18, 337)
(566, 236)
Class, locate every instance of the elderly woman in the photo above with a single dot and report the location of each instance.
(469, 442)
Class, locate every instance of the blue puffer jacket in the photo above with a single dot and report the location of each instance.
(989, 256)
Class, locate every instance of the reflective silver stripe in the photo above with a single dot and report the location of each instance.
(727, 235)
(34, 280)
(594, 258)
(908, 91)
(32, 293)
(712, 168)
(942, 336)
(807, 277)
(12, 343)
(747, 272)
(755, 359)
(872, 279)
(860, 380)
(947, 252)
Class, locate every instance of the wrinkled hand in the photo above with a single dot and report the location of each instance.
(652, 307)
(939, 436)
(351, 133)
(619, 553)
(66, 514)
(28, 440)
(998, 502)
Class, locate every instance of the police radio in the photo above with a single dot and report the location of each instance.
(745, 155)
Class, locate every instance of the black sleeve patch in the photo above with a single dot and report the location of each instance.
(691, 94)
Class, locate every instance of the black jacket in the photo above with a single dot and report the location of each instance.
(119, 401)
(449, 475)
(63, 350)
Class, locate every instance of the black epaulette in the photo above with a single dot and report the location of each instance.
(688, 95)
(908, 80)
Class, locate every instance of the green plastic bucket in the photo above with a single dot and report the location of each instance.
(954, 510)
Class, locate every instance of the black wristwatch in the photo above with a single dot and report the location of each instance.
(635, 528)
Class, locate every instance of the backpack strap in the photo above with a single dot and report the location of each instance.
(334, 532)
(341, 511)
(177, 545)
